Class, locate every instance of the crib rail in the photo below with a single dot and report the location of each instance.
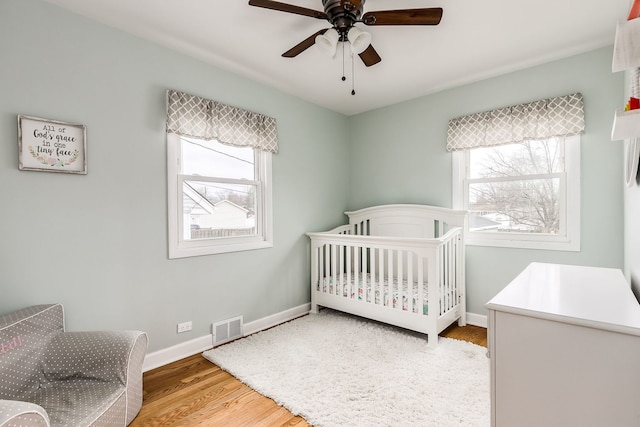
(394, 273)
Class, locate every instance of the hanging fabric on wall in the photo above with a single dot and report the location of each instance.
(190, 115)
(547, 118)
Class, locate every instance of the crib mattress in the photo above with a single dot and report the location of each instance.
(363, 290)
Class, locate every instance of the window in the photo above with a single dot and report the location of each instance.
(523, 195)
(219, 197)
(517, 171)
(219, 177)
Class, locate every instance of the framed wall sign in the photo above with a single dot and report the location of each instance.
(51, 146)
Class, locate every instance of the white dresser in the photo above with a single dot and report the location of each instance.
(564, 343)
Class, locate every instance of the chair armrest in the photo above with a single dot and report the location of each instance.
(100, 355)
(14, 414)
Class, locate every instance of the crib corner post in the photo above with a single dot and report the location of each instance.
(432, 340)
(314, 308)
(462, 321)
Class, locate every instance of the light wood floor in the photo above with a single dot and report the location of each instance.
(195, 392)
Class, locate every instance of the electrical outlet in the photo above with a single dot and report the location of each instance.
(184, 326)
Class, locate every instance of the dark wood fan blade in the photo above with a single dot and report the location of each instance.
(284, 7)
(303, 45)
(430, 16)
(370, 56)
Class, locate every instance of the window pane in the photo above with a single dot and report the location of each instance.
(526, 206)
(527, 158)
(210, 158)
(212, 209)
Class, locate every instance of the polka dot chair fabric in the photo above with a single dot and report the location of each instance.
(13, 413)
(52, 377)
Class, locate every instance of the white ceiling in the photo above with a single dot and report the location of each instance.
(476, 39)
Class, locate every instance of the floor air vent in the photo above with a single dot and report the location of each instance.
(227, 330)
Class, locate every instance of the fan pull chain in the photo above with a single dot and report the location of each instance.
(353, 74)
(343, 77)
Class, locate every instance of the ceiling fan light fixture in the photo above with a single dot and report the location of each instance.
(328, 42)
(359, 40)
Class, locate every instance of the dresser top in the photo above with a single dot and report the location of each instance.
(588, 296)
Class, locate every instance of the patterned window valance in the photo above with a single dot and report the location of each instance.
(547, 118)
(190, 115)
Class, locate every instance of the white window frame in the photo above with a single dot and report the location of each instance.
(567, 240)
(181, 248)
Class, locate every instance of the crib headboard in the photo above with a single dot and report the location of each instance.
(405, 220)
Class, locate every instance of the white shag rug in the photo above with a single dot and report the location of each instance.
(333, 369)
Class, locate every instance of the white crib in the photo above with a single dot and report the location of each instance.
(398, 264)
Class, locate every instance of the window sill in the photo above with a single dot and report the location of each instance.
(559, 244)
(175, 253)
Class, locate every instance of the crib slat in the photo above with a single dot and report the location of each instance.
(399, 279)
(421, 288)
(340, 283)
(445, 275)
(372, 271)
(321, 270)
(334, 267)
(389, 282)
(443, 282)
(445, 285)
(448, 277)
(327, 260)
(410, 282)
(381, 274)
(356, 272)
(440, 279)
(364, 271)
(456, 300)
(452, 275)
(349, 273)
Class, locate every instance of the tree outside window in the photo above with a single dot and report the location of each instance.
(516, 187)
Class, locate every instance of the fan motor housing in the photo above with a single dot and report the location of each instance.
(342, 17)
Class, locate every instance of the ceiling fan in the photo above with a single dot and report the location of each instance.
(343, 15)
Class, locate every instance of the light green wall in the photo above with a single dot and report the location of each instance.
(398, 156)
(98, 243)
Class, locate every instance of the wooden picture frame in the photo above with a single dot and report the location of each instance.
(51, 145)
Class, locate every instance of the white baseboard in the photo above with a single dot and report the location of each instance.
(176, 352)
(477, 320)
(275, 319)
(198, 345)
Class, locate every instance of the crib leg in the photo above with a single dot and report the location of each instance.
(462, 321)
(314, 308)
(432, 338)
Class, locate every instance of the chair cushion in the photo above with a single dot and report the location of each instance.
(80, 402)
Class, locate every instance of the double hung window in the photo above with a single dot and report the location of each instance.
(219, 193)
(517, 172)
(523, 195)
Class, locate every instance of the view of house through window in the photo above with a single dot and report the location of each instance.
(517, 187)
(219, 190)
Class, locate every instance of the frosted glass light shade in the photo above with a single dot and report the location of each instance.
(328, 42)
(359, 40)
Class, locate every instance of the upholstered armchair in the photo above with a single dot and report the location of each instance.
(49, 377)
